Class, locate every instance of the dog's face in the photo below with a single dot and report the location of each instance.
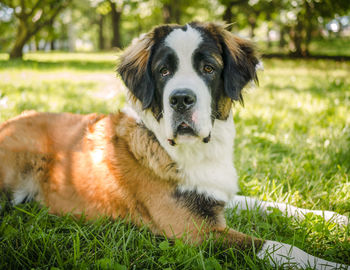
(188, 76)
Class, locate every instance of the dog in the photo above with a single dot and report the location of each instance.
(167, 161)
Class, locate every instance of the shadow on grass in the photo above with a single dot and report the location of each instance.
(47, 65)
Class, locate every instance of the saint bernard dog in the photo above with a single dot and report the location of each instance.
(167, 161)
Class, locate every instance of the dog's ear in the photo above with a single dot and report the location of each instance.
(240, 63)
(135, 68)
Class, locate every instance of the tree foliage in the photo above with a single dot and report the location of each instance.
(32, 16)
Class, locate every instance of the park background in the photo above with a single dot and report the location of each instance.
(297, 27)
(293, 134)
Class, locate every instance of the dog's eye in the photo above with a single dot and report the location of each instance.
(164, 72)
(208, 69)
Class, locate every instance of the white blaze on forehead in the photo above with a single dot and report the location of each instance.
(184, 43)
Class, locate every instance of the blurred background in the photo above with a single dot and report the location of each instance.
(280, 27)
(292, 136)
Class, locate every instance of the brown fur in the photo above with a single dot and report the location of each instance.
(135, 57)
(223, 109)
(100, 165)
(236, 45)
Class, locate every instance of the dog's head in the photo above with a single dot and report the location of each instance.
(186, 77)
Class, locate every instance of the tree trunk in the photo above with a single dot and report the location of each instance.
(282, 41)
(17, 49)
(52, 45)
(36, 45)
(309, 28)
(101, 40)
(296, 39)
(302, 31)
(22, 38)
(252, 23)
(177, 11)
(116, 19)
(166, 13)
(172, 11)
(268, 19)
(227, 17)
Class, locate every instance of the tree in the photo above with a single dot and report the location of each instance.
(101, 38)
(171, 11)
(32, 15)
(229, 4)
(116, 14)
(301, 18)
(115, 9)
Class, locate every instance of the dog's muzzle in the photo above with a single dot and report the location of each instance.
(183, 102)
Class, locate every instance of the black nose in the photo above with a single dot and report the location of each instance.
(182, 100)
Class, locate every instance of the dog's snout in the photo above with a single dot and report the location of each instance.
(182, 100)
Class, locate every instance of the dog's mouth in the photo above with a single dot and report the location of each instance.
(185, 132)
(185, 129)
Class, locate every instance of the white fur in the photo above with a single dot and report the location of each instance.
(129, 111)
(206, 167)
(280, 254)
(184, 43)
(29, 190)
(248, 203)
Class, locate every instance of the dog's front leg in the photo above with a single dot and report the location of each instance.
(146, 148)
(249, 203)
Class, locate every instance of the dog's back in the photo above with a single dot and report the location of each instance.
(30, 146)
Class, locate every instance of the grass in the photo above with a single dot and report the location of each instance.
(292, 145)
(332, 46)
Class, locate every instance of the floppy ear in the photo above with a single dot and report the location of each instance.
(135, 69)
(240, 62)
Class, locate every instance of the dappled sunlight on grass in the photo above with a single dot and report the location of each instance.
(74, 87)
(4, 56)
(295, 128)
(79, 57)
(60, 61)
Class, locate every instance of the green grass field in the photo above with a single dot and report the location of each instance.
(332, 46)
(292, 145)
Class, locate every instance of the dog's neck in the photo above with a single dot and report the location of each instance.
(206, 168)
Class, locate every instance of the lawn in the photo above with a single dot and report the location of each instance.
(292, 145)
(332, 46)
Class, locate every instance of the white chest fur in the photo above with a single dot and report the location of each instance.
(206, 167)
